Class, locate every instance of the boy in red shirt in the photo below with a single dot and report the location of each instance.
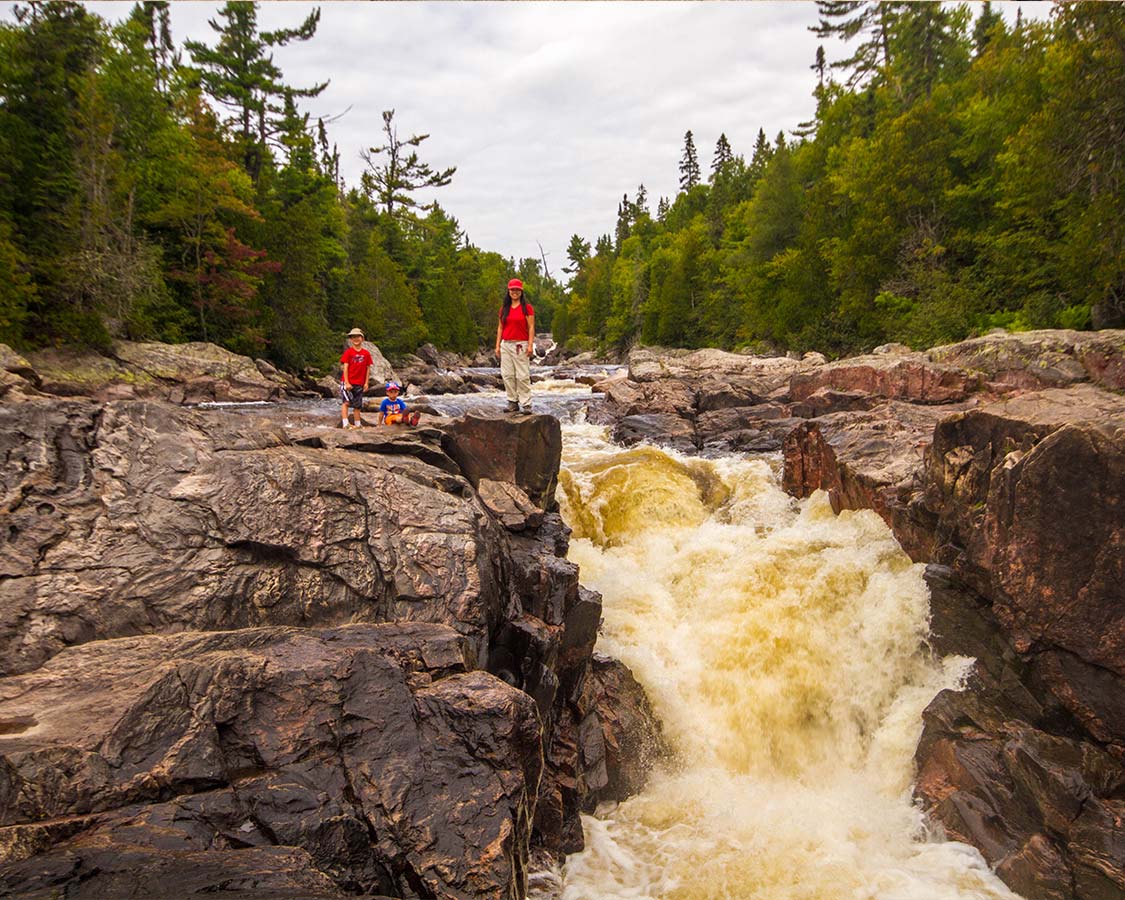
(354, 380)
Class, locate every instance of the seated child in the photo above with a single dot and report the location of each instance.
(392, 411)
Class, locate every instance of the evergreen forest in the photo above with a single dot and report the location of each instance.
(961, 173)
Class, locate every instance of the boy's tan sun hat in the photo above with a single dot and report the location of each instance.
(355, 331)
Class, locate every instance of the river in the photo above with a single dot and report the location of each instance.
(784, 649)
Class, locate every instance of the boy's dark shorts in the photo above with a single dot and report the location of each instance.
(353, 395)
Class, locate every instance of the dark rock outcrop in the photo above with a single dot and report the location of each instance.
(1018, 490)
(365, 757)
(129, 522)
(523, 450)
(138, 517)
(1002, 459)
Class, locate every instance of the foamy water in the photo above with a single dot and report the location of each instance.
(782, 647)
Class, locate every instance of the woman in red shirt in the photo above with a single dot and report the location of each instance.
(515, 342)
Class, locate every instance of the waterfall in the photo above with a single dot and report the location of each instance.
(784, 649)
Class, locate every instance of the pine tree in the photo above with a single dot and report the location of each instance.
(393, 182)
(624, 221)
(578, 251)
(156, 18)
(871, 21)
(239, 73)
(819, 65)
(640, 205)
(722, 158)
(928, 45)
(762, 153)
(689, 164)
(988, 20)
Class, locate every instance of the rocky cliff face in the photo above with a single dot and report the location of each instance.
(1001, 461)
(269, 660)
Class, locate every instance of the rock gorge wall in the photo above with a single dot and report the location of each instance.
(255, 659)
(1001, 462)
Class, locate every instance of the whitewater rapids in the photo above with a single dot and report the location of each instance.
(783, 647)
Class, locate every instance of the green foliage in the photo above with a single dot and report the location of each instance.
(962, 178)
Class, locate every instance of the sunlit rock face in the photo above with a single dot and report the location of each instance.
(137, 517)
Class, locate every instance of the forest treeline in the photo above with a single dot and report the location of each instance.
(961, 173)
(157, 192)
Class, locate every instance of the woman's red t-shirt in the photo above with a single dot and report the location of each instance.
(515, 329)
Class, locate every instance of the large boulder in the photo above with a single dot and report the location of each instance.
(1030, 499)
(911, 378)
(362, 758)
(1041, 359)
(631, 734)
(136, 517)
(524, 450)
(180, 373)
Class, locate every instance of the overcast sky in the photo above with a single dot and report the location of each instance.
(550, 111)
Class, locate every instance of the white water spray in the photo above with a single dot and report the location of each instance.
(782, 646)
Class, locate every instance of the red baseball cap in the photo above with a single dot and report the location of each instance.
(515, 284)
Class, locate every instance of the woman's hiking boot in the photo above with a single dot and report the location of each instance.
(513, 406)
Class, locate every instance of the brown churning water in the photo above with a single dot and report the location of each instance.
(783, 648)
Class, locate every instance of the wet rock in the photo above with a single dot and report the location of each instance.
(1029, 494)
(364, 757)
(670, 398)
(661, 429)
(509, 504)
(631, 735)
(868, 460)
(523, 450)
(755, 429)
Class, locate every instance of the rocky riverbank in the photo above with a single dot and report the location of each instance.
(287, 660)
(254, 659)
(1001, 462)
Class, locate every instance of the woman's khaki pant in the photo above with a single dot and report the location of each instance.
(515, 369)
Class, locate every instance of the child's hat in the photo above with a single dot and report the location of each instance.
(355, 331)
(393, 386)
